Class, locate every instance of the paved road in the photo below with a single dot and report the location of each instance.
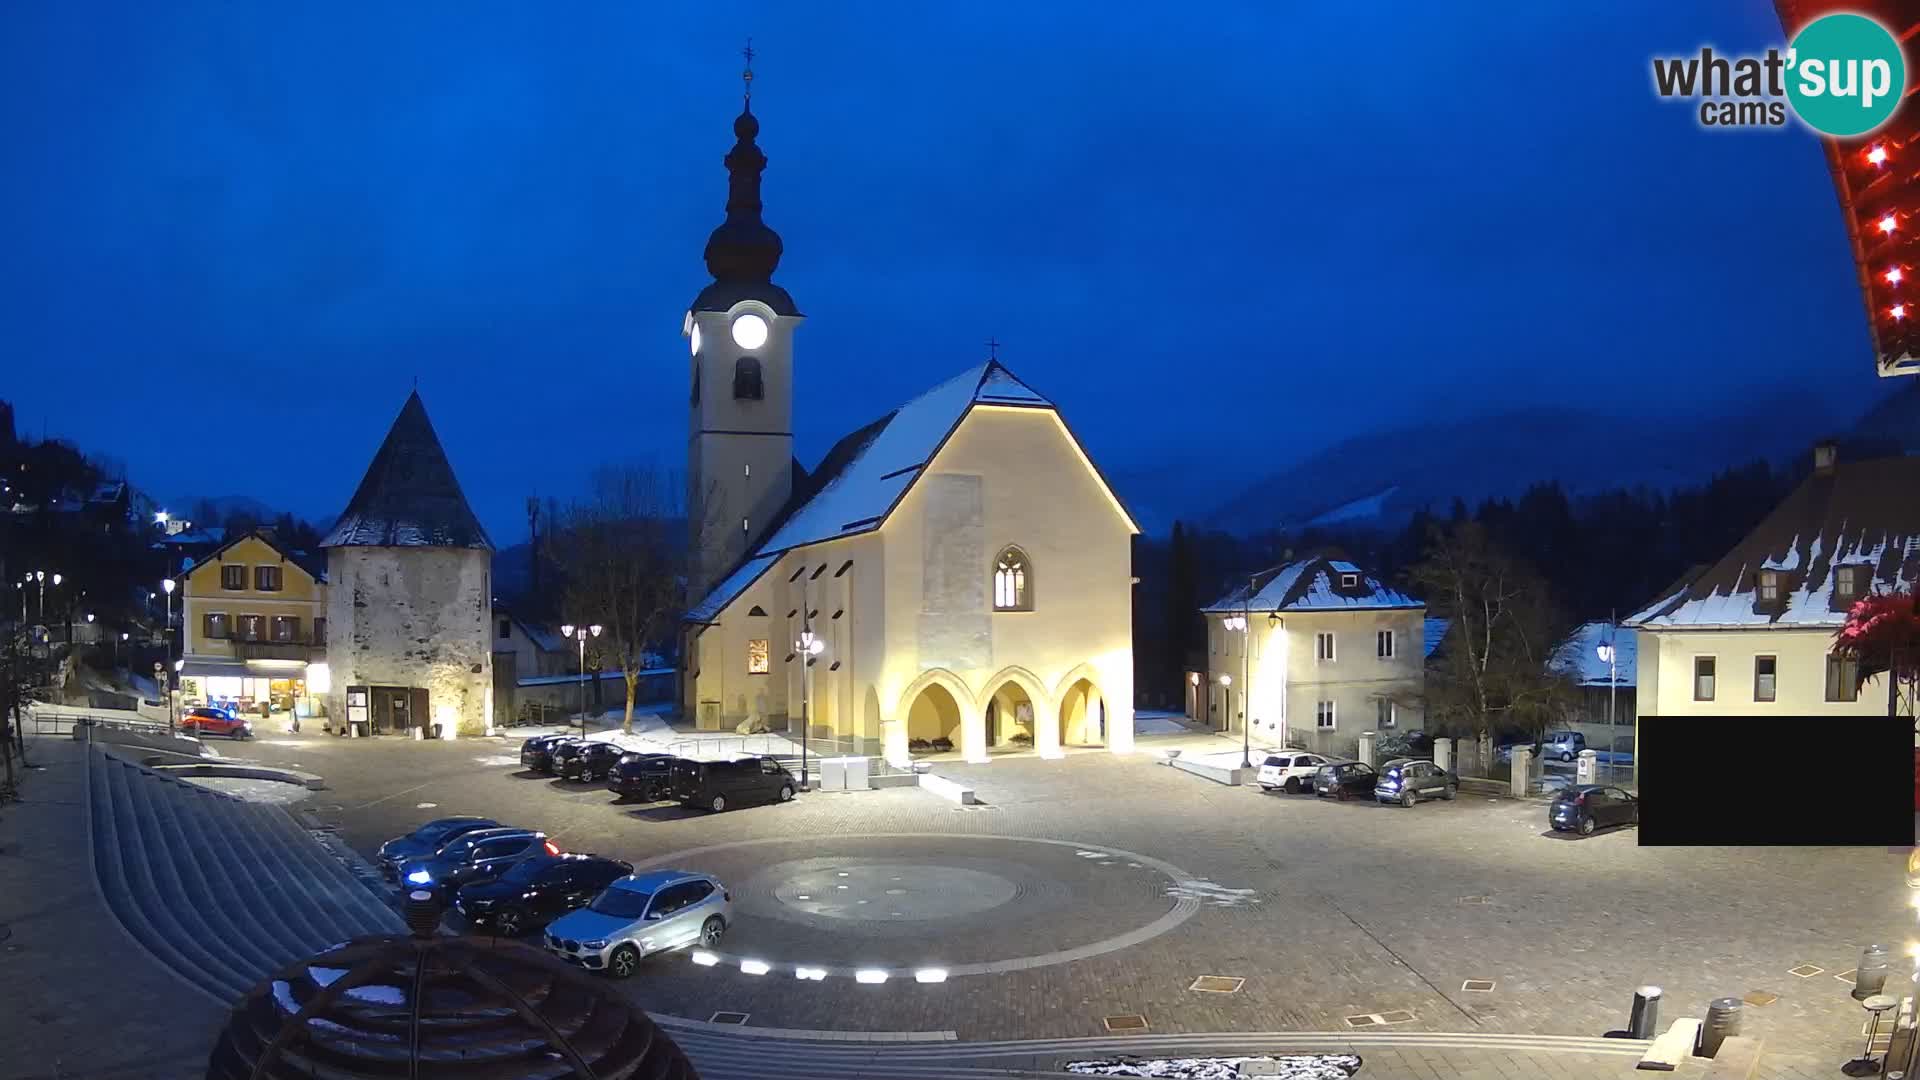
(1335, 915)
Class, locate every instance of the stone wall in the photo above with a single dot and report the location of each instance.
(413, 617)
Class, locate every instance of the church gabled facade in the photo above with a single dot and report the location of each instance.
(962, 570)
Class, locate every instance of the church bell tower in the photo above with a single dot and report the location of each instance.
(740, 333)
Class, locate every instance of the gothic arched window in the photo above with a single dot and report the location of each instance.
(746, 379)
(1012, 581)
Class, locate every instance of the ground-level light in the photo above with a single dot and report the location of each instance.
(870, 976)
(810, 974)
(704, 958)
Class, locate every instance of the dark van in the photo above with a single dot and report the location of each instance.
(716, 785)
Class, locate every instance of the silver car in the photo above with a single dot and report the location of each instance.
(640, 915)
(1408, 780)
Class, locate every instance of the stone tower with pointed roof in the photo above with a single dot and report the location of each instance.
(410, 594)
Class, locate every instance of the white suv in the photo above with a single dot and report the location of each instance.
(640, 915)
(1290, 770)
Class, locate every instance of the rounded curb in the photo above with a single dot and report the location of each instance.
(1184, 907)
(310, 781)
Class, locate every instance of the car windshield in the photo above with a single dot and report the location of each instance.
(438, 830)
(621, 903)
(527, 871)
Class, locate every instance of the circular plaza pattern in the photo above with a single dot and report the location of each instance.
(903, 903)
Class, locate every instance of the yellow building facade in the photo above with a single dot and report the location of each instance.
(253, 624)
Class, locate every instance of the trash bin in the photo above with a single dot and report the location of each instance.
(1723, 1021)
(858, 769)
(1870, 977)
(1646, 1013)
(833, 774)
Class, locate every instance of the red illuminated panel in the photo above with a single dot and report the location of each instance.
(1877, 177)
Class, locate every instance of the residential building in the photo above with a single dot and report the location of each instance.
(964, 569)
(1753, 633)
(1317, 652)
(253, 616)
(523, 650)
(410, 597)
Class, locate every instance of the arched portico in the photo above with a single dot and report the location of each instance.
(932, 709)
(1007, 690)
(1082, 711)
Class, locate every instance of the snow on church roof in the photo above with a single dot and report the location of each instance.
(865, 475)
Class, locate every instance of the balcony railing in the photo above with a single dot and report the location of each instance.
(279, 650)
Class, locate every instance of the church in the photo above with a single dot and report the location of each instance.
(955, 573)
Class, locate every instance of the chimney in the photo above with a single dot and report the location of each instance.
(1826, 455)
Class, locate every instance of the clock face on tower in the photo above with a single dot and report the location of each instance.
(696, 339)
(749, 331)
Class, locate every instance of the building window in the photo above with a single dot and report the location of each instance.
(214, 627)
(266, 578)
(1703, 678)
(1383, 644)
(1765, 678)
(233, 577)
(1349, 581)
(1769, 587)
(286, 628)
(1012, 581)
(747, 384)
(1323, 717)
(319, 631)
(1846, 584)
(506, 629)
(1385, 714)
(757, 656)
(251, 627)
(1323, 647)
(1843, 679)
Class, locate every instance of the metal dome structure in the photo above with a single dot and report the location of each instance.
(445, 1008)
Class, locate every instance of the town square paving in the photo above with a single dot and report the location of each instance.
(1101, 886)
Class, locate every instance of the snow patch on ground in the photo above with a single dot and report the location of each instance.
(1230, 759)
(1288, 1067)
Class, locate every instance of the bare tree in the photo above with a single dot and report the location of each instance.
(1492, 673)
(622, 555)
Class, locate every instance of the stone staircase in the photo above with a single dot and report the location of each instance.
(222, 891)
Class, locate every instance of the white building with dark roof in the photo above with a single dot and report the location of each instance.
(1753, 633)
(1318, 652)
(963, 567)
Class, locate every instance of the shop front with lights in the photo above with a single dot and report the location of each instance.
(270, 688)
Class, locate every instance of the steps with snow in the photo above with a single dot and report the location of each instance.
(223, 891)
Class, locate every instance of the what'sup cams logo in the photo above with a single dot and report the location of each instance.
(1842, 75)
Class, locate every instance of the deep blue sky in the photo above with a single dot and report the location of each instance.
(236, 233)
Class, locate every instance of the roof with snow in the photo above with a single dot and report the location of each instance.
(409, 497)
(1578, 657)
(1313, 585)
(1861, 514)
(1436, 631)
(866, 474)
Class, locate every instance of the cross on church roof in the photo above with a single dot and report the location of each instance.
(747, 75)
(993, 349)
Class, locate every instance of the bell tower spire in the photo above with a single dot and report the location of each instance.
(740, 467)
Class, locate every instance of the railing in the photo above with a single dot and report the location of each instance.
(61, 720)
(277, 650)
(771, 744)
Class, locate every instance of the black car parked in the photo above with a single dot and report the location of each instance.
(424, 841)
(716, 785)
(588, 761)
(537, 891)
(1592, 806)
(536, 754)
(1345, 780)
(647, 777)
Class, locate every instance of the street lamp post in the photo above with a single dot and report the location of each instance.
(809, 646)
(173, 694)
(1611, 657)
(581, 634)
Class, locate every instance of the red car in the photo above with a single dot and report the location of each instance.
(205, 720)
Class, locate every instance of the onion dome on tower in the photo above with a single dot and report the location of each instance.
(743, 252)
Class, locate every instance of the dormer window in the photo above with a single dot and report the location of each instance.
(1349, 581)
(1769, 588)
(1846, 583)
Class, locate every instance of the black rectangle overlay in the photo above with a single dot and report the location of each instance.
(1828, 781)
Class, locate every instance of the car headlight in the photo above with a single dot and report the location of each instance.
(593, 944)
(420, 877)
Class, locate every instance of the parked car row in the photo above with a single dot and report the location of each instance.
(1406, 781)
(592, 911)
(711, 785)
